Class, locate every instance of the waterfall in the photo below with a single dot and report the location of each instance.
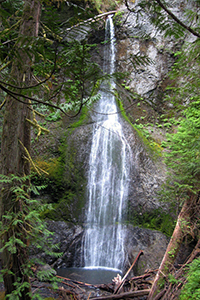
(109, 166)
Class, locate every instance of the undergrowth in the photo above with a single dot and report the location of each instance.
(24, 233)
(191, 289)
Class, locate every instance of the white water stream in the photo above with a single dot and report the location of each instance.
(108, 175)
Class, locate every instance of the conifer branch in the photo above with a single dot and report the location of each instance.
(34, 85)
(55, 36)
(177, 20)
(5, 66)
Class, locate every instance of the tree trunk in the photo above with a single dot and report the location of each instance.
(182, 228)
(16, 134)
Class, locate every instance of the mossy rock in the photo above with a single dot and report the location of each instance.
(69, 208)
(155, 219)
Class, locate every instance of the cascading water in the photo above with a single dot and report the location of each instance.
(108, 175)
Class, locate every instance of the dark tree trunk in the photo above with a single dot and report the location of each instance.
(16, 136)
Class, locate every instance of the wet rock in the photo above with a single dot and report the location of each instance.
(68, 238)
(153, 244)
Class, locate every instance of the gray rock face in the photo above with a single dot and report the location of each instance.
(153, 244)
(147, 174)
(69, 237)
(138, 37)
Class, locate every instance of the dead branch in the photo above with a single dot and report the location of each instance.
(124, 295)
(123, 279)
(68, 292)
(149, 273)
(75, 281)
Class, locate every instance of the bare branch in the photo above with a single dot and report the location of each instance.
(128, 7)
(15, 95)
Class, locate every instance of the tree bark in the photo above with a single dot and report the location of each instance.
(16, 136)
(182, 228)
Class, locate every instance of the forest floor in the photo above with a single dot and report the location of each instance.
(133, 288)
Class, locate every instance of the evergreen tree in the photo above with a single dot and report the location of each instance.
(33, 72)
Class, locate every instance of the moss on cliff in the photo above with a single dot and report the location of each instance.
(152, 146)
(65, 183)
(155, 219)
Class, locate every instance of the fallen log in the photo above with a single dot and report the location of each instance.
(123, 295)
(91, 20)
(75, 281)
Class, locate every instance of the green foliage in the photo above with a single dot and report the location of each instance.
(53, 181)
(185, 73)
(69, 73)
(117, 19)
(25, 229)
(183, 155)
(64, 183)
(172, 279)
(191, 290)
(105, 5)
(138, 60)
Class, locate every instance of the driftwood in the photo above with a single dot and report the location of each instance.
(124, 295)
(118, 289)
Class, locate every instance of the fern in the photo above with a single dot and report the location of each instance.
(165, 23)
(25, 225)
(140, 60)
